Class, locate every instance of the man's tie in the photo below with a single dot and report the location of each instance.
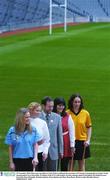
(47, 117)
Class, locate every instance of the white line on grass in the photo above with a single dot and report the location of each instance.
(40, 40)
(100, 144)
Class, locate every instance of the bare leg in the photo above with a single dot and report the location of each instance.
(81, 165)
(73, 164)
(69, 165)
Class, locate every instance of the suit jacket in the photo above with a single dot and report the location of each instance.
(56, 136)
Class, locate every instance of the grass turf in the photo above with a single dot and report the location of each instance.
(33, 65)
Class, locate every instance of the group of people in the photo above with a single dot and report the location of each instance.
(49, 136)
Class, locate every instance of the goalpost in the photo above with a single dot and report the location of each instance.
(50, 14)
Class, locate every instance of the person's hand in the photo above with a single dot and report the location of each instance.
(44, 156)
(86, 143)
(35, 162)
(72, 150)
(61, 156)
(12, 166)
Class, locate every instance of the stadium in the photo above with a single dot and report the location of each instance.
(56, 48)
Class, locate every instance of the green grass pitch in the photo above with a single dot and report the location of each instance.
(33, 65)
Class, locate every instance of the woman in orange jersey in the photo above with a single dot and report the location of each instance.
(82, 122)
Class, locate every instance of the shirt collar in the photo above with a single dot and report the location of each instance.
(44, 113)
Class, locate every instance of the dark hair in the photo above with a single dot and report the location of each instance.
(57, 101)
(71, 99)
(46, 99)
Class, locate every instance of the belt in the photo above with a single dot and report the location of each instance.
(64, 133)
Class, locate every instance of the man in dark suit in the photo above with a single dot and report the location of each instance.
(53, 121)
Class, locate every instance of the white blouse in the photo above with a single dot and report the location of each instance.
(71, 128)
(42, 129)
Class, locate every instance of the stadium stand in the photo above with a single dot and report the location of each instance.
(105, 5)
(15, 14)
(3, 11)
(91, 6)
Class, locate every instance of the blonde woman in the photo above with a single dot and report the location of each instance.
(23, 140)
(41, 126)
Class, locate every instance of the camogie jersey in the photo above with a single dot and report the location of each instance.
(82, 121)
(23, 143)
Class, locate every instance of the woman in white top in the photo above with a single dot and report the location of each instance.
(41, 126)
(68, 132)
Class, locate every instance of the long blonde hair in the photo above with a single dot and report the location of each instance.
(20, 126)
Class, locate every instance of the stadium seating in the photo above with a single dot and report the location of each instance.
(91, 6)
(3, 10)
(105, 5)
(22, 12)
